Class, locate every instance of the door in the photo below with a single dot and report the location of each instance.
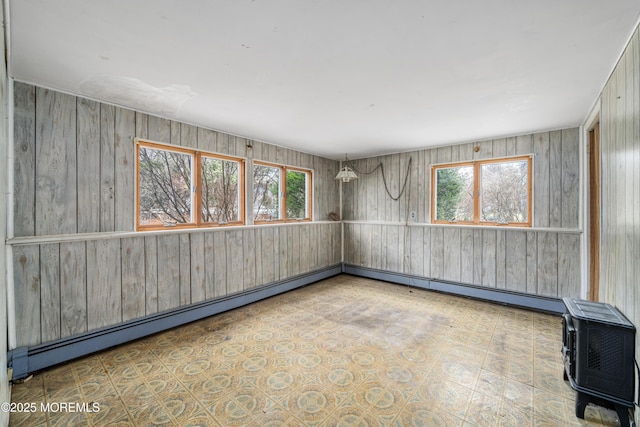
(594, 212)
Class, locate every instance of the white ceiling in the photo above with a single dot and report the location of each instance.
(331, 77)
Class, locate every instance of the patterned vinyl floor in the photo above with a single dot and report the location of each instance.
(342, 352)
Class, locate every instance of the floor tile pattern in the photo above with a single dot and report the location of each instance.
(342, 352)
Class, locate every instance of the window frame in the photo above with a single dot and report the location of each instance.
(282, 204)
(196, 190)
(477, 199)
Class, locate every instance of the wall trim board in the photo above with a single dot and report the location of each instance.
(25, 360)
(85, 237)
(468, 226)
(500, 296)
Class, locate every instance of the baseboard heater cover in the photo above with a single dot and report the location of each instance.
(501, 296)
(26, 360)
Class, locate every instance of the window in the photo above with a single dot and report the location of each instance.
(270, 203)
(178, 187)
(488, 192)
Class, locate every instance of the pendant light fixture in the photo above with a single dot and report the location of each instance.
(346, 174)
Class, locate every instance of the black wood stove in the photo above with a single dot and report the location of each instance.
(598, 352)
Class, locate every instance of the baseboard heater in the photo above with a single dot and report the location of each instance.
(26, 360)
(500, 296)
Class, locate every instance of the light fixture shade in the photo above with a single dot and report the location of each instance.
(346, 174)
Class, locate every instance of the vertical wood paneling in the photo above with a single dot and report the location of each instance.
(541, 180)
(219, 250)
(570, 178)
(88, 152)
(107, 167)
(568, 266)
(437, 253)
(516, 261)
(50, 292)
(293, 250)
(304, 230)
(524, 145)
(206, 140)
(268, 253)
(133, 278)
(451, 243)
(189, 136)
(185, 269)
(477, 256)
(314, 240)
(555, 179)
(466, 255)
(632, 146)
(416, 248)
(213, 277)
(394, 248)
(24, 152)
(159, 129)
(125, 122)
(249, 257)
(26, 268)
(283, 258)
(55, 168)
(547, 264)
(426, 252)
(501, 247)
(104, 286)
(168, 271)
(198, 268)
(151, 274)
(488, 258)
(352, 245)
(257, 258)
(175, 130)
(73, 288)
(235, 261)
(142, 125)
(499, 147)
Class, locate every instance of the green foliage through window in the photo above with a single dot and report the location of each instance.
(495, 191)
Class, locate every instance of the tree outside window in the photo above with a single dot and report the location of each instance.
(179, 187)
(271, 203)
(489, 192)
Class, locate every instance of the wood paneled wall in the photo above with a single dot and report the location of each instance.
(620, 186)
(555, 182)
(75, 173)
(5, 388)
(75, 162)
(71, 287)
(543, 261)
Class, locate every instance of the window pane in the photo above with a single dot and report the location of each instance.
(504, 192)
(266, 193)
(454, 194)
(220, 190)
(296, 194)
(165, 187)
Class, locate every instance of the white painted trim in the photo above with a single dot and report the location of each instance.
(467, 226)
(10, 290)
(83, 237)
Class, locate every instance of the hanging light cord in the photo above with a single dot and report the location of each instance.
(384, 179)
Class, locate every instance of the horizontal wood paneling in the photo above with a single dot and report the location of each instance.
(539, 263)
(67, 288)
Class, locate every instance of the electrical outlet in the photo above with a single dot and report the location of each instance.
(412, 215)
